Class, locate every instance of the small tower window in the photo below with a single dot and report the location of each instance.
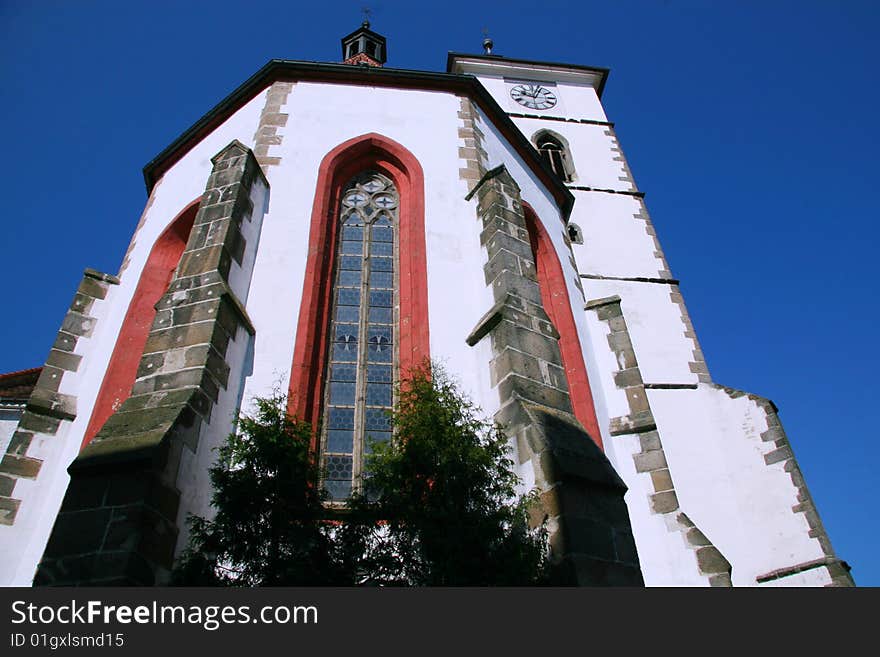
(575, 234)
(554, 153)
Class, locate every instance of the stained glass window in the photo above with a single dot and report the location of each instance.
(360, 374)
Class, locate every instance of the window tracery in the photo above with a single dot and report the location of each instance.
(360, 373)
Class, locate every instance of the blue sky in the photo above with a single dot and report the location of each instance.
(751, 127)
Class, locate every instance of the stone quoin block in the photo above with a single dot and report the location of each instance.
(8, 510)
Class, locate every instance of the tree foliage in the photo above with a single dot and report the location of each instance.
(439, 507)
(270, 527)
(446, 492)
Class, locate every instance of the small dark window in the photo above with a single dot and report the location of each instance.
(371, 49)
(574, 234)
(554, 154)
(351, 50)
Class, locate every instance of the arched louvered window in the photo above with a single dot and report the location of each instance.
(556, 155)
(359, 384)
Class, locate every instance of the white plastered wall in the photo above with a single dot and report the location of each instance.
(321, 117)
(712, 441)
(655, 327)
(576, 101)
(615, 241)
(716, 455)
(663, 554)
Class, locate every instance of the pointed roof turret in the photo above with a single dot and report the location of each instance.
(364, 47)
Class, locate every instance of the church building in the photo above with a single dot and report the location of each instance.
(328, 227)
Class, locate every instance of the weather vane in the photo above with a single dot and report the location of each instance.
(366, 11)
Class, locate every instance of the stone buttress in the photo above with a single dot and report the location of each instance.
(581, 496)
(119, 523)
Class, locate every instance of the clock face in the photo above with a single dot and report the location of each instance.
(533, 96)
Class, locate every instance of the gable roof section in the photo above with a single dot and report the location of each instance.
(282, 70)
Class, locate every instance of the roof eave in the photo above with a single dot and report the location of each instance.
(601, 71)
(291, 70)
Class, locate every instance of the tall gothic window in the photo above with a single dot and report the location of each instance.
(554, 153)
(360, 376)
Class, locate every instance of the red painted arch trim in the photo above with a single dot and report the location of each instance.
(557, 304)
(369, 151)
(154, 281)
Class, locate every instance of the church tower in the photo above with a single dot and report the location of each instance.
(310, 230)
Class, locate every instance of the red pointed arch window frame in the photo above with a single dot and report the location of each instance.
(379, 153)
(153, 282)
(554, 295)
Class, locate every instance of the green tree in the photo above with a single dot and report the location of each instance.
(271, 526)
(441, 507)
